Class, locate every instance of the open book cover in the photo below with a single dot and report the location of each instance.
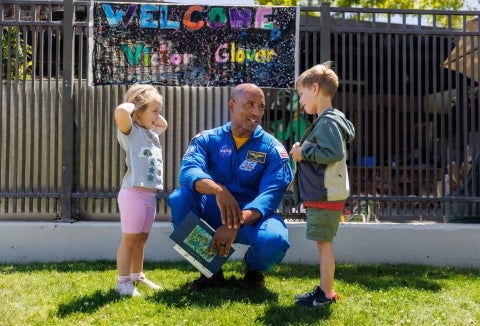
(192, 240)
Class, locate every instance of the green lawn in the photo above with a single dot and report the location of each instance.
(82, 293)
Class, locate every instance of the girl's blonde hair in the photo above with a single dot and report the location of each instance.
(143, 94)
(323, 75)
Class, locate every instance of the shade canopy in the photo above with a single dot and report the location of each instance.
(464, 57)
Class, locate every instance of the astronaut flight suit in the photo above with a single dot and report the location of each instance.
(257, 174)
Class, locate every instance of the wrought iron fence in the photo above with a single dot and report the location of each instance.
(409, 82)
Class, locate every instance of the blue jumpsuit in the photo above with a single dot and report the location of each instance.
(257, 174)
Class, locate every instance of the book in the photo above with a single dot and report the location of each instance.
(192, 241)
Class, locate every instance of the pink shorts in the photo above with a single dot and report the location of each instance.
(137, 210)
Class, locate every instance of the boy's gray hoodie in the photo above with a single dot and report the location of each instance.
(322, 174)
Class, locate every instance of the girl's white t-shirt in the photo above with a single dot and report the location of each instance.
(143, 157)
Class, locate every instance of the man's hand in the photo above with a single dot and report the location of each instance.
(231, 214)
(222, 240)
(229, 209)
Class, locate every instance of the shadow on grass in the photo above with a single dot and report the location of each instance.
(233, 290)
(294, 315)
(371, 277)
(87, 304)
(381, 276)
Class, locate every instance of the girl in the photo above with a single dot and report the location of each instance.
(140, 123)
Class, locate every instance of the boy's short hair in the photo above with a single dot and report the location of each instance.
(323, 75)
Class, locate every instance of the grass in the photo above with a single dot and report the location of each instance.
(82, 293)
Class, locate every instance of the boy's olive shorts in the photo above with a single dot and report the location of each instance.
(322, 224)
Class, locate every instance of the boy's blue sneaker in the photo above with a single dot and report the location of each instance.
(315, 298)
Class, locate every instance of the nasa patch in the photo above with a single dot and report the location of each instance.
(226, 151)
(247, 166)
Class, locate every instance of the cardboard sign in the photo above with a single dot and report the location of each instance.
(192, 241)
(177, 45)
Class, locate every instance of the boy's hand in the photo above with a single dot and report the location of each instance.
(296, 152)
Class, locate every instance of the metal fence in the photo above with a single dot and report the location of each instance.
(414, 105)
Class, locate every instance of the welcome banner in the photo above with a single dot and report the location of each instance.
(194, 45)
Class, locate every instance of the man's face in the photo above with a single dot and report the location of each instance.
(246, 111)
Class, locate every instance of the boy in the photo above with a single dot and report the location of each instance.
(321, 178)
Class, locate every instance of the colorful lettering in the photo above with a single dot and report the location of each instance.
(113, 18)
(187, 19)
(164, 22)
(146, 56)
(240, 18)
(127, 17)
(198, 45)
(240, 55)
(217, 18)
(261, 18)
(132, 56)
(146, 16)
(220, 55)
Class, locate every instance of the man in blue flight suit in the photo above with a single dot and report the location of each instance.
(234, 177)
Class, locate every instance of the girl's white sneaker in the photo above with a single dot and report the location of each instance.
(126, 289)
(147, 282)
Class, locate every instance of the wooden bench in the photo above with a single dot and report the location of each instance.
(394, 181)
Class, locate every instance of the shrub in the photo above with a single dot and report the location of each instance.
(16, 55)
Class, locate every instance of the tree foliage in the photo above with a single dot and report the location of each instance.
(16, 55)
(386, 4)
(402, 4)
(441, 20)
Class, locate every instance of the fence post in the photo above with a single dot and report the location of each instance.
(325, 29)
(67, 112)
